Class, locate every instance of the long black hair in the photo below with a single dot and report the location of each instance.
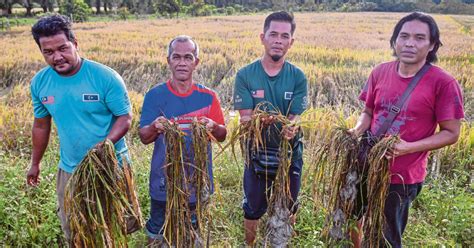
(434, 33)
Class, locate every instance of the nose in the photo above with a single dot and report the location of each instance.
(57, 56)
(410, 42)
(278, 40)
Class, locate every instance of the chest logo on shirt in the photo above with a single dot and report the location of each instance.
(288, 95)
(258, 93)
(90, 97)
(47, 99)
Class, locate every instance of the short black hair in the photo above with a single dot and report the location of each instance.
(434, 33)
(52, 25)
(281, 16)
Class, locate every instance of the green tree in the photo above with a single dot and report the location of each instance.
(78, 9)
(168, 6)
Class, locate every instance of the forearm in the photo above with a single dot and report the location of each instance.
(148, 134)
(40, 139)
(438, 140)
(363, 123)
(120, 128)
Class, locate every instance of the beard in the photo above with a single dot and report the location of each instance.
(276, 58)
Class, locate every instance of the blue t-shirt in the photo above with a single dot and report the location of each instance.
(162, 100)
(84, 108)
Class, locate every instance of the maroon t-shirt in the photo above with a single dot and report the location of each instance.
(436, 98)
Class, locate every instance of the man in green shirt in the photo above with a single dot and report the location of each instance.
(283, 88)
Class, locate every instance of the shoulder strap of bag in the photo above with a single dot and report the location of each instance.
(395, 109)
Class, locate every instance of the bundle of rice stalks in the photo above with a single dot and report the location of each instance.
(279, 229)
(337, 176)
(96, 200)
(201, 181)
(378, 183)
(250, 135)
(178, 229)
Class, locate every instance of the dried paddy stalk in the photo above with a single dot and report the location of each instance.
(96, 201)
(201, 142)
(279, 229)
(378, 183)
(337, 177)
(178, 230)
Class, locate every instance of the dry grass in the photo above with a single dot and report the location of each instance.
(378, 183)
(96, 200)
(335, 50)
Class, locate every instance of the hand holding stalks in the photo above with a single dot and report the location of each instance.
(290, 131)
(210, 124)
(399, 149)
(158, 124)
(267, 120)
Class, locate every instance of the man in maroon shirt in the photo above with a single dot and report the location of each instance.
(435, 101)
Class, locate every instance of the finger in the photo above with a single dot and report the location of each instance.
(32, 181)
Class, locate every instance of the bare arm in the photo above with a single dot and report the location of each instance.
(448, 134)
(245, 115)
(219, 132)
(40, 138)
(149, 133)
(120, 127)
(363, 123)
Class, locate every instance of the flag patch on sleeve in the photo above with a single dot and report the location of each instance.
(258, 93)
(47, 99)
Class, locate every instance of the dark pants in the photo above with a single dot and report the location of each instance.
(397, 204)
(257, 188)
(154, 225)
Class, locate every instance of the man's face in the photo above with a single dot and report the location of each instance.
(60, 53)
(413, 42)
(277, 39)
(182, 61)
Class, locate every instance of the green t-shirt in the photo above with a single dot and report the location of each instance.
(287, 92)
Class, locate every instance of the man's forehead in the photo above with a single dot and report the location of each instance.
(280, 26)
(183, 48)
(53, 40)
(415, 26)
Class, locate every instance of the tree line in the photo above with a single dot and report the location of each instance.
(81, 9)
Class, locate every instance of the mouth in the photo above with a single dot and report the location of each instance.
(60, 64)
(408, 53)
(277, 49)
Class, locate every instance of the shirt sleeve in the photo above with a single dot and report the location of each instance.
(116, 97)
(367, 94)
(449, 102)
(149, 109)
(39, 110)
(215, 112)
(242, 95)
(299, 101)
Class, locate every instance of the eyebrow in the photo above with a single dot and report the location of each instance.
(275, 32)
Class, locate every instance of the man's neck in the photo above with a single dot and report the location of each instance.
(272, 68)
(182, 87)
(409, 70)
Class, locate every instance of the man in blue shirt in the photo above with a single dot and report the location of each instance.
(181, 100)
(88, 102)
